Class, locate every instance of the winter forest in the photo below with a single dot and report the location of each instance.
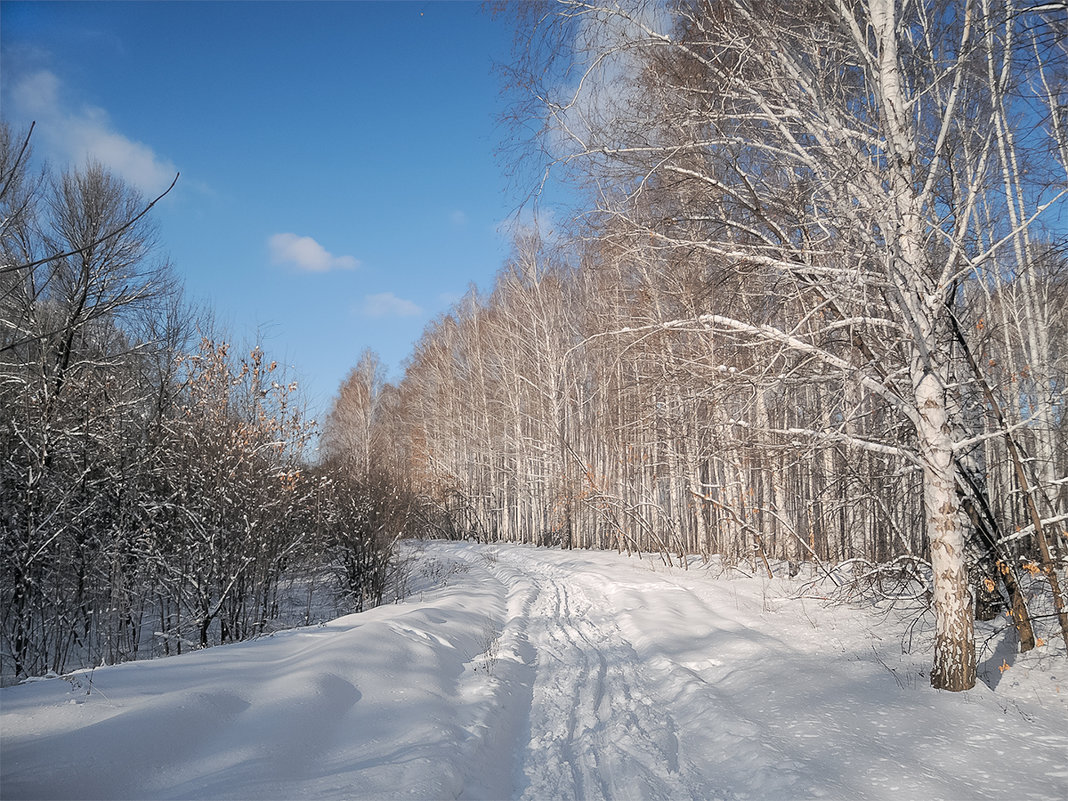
(157, 490)
(812, 310)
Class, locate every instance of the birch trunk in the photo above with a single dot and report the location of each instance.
(923, 301)
(954, 657)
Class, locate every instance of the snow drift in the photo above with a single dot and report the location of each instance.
(515, 672)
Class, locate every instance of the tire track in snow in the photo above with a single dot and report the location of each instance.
(615, 689)
(594, 734)
(502, 727)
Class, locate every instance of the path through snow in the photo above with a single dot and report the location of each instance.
(540, 674)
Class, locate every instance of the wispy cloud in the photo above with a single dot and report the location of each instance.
(528, 221)
(449, 298)
(597, 94)
(386, 304)
(458, 217)
(75, 133)
(305, 253)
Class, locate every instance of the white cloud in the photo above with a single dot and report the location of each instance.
(386, 304)
(449, 298)
(458, 217)
(599, 93)
(528, 221)
(76, 134)
(305, 253)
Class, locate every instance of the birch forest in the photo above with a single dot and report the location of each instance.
(811, 309)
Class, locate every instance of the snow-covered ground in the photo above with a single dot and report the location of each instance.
(540, 674)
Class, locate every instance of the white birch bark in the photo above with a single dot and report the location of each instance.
(923, 301)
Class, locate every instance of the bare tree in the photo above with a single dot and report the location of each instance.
(348, 433)
(153, 493)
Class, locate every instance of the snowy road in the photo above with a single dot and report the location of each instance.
(539, 674)
(593, 732)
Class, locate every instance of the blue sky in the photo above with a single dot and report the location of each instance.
(339, 184)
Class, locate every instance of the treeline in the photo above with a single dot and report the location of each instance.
(812, 310)
(155, 486)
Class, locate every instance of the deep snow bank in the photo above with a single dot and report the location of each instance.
(392, 702)
(545, 674)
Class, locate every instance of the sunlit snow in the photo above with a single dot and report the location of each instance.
(515, 672)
